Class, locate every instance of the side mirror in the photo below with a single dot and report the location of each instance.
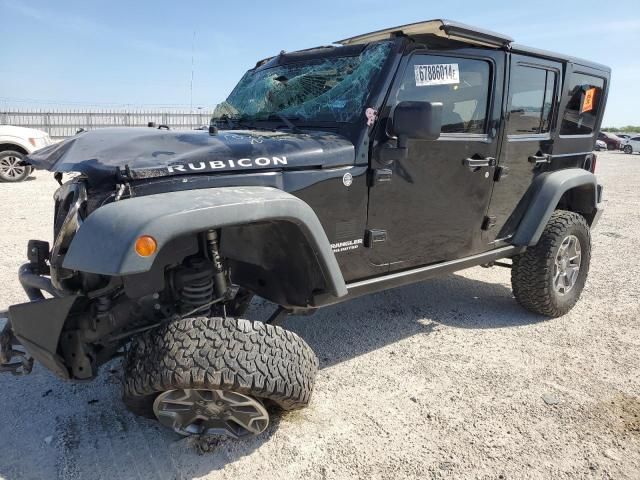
(419, 120)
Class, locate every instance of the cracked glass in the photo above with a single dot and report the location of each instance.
(331, 89)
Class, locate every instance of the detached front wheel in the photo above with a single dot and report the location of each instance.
(214, 376)
(549, 277)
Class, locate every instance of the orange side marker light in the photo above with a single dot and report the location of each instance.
(146, 246)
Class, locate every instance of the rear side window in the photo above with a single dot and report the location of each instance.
(461, 84)
(585, 103)
(531, 100)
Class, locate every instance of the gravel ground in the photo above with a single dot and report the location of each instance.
(445, 379)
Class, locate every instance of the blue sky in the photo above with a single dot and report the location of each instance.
(140, 52)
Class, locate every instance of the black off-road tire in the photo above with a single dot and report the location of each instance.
(532, 271)
(252, 358)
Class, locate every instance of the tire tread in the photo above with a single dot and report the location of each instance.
(245, 356)
(532, 269)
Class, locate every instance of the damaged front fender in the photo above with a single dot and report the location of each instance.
(104, 244)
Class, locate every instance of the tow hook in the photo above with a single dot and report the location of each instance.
(22, 363)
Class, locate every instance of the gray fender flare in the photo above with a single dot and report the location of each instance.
(104, 244)
(548, 190)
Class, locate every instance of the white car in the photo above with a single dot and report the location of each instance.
(632, 145)
(15, 144)
(600, 145)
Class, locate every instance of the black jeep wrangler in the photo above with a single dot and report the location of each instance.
(327, 174)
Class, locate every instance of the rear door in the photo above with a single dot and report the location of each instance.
(532, 105)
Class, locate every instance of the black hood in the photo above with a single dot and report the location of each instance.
(146, 152)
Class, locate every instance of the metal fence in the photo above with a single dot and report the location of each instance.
(65, 123)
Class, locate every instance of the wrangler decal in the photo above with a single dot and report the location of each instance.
(346, 246)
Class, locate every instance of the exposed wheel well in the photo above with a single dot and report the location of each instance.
(274, 260)
(12, 146)
(580, 199)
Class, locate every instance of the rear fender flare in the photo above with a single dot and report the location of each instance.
(575, 185)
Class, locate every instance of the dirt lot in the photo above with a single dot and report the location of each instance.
(444, 379)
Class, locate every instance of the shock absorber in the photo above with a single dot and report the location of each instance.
(220, 279)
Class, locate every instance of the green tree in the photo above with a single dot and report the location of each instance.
(625, 129)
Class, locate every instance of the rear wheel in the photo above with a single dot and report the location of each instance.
(549, 277)
(214, 376)
(628, 149)
(11, 168)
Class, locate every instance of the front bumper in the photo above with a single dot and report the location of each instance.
(32, 329)
(37, 326)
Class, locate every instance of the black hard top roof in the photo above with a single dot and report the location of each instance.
(462, 33)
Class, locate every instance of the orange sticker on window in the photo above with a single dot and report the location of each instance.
(587, 103)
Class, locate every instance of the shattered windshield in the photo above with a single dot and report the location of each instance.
(324, 89)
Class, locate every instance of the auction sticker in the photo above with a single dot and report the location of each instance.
(437, 74)
(587, 103)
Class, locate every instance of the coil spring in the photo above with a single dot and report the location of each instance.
(197, 294)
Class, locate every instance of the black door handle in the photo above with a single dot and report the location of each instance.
(475, 163)
(544, 158)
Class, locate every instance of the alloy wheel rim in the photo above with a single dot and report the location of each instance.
(10, 167)
(211, 412)
(567, 265)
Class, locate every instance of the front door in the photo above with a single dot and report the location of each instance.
(531, 109)
(430, 206)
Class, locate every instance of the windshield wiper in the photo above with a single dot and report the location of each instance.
(245, 121)
(292, 126)
(236, 122)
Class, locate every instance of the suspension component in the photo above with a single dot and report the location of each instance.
(194, 285)
(220, 279)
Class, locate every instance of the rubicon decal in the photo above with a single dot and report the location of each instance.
(260, 162)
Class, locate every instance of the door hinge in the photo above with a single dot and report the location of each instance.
(373, 236)
(540, 158)
(380, 175)
(501, 172)
(489, 222)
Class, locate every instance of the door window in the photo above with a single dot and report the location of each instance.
(531, 99)
(461, 84)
